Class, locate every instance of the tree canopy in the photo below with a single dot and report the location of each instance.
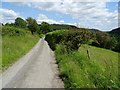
(45, 27)
(19, 22)
(32, 24)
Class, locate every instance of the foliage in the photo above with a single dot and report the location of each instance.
(102, 39)
(106, 40)
(71, 39)
(115, 31)
(77, 71)
(12, 31)
(115, 34)
(117, 47)
(9, 24)
(32, 24)
(15, 43)
(62, 27)
(74, 38)
(45, 27)
(19, 22)
(55, 37)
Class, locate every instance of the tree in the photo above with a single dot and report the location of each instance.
(117, 48)
(9, 24)
(45, 27)
(32, 24)
(19, 22)
(103, 39)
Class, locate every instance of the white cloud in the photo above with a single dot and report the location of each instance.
(62, 21)
(94, 12)
(60, 0)
(43, 18)
(90, 13)
(8, 15)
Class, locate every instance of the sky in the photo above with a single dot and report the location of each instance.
(102, 15)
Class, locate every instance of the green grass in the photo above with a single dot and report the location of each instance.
(14, 46)
(78, 71)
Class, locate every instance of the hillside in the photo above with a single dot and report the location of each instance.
(82, 65)
(78, 71)
(94, 30)
(115, 31)
(62, 26)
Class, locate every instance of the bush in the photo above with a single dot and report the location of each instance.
(70, 39)
(32, 25)
(73, 39)
(45, 27)
(55, 37)
(12, 31)
(19, 22)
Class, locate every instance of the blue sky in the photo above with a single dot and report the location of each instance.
(33, 12)
(97, 15)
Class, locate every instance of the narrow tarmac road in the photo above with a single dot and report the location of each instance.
(37, 69)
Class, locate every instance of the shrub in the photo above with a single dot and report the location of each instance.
(45, 27)
(55, 37)
(12, 31)
(70, 39)
(19, 22)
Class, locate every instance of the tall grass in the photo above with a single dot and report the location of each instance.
(15, 45)
(78, 71)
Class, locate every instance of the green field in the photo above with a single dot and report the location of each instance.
(78, 71)
(16, 42)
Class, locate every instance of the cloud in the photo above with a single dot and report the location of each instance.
(43, 18)
(94, 12)
(60, 0)
(90, 13)
(62, 21)
(8, 15)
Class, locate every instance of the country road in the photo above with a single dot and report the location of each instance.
(37, 69)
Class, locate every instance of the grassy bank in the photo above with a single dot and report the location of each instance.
(16, 42)
(78, 71)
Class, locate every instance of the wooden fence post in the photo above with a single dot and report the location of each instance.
(88, 53)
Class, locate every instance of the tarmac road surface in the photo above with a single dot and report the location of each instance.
(37, 69)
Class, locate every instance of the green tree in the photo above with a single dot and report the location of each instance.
(19, 22)
(103, 39)
(117, 48)
(32, 25)
(9, 24)
(45, 27)
(113, 43)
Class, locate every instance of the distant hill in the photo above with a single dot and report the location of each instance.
(115, 31)
(69, 27)
(94, 30)
(62, 26)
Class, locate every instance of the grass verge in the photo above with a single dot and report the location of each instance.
(15, 46)
(78, 71)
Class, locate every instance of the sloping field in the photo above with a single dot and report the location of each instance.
(79, 71)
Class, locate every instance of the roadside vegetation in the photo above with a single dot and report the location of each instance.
(17, 39)
(85, 58)
(78, 71)
(16, 42)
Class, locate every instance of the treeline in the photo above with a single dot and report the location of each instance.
(75, 36)
(30, 24)
(72, 39)
(42, 28)
(106, 40)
